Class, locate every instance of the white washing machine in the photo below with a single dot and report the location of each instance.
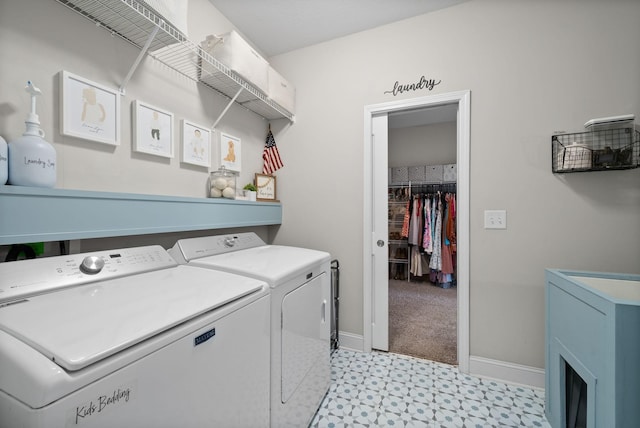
(128, 338)
(300, 314)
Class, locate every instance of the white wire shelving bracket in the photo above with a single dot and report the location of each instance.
(138, 25)
(233, 100)
(136, 63)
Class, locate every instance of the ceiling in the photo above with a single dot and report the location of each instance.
(279, 26)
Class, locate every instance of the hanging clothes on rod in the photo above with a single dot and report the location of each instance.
(430, 226)
(448, 237)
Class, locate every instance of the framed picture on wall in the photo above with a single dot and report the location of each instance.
(230, 152)
(196, 144)
(152, 130)
(89, 110)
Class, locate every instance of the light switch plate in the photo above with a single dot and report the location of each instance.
(495, 219)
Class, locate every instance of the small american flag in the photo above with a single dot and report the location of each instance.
(271, 156)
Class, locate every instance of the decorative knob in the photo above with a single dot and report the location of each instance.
(380, 243)
(91, 265)
(229, 241)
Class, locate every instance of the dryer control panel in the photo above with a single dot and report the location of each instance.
(186, 250)
(25, 278)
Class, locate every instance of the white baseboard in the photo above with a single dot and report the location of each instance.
(506, 372)
(478, 366)
(350, 341)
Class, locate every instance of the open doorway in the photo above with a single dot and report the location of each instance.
(422, 234)
(375, 236)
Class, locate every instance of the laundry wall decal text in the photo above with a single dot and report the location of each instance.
(423, 83)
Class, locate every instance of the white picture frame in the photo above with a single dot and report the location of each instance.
(230, 152)
(196, 144)
(89, 110)
(152, 130)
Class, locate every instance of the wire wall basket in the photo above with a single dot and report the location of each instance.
(598, 150)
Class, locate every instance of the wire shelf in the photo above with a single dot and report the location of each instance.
(598, 150)
(134, 22)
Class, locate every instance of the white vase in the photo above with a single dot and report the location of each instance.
(250, 195)
(32, 160)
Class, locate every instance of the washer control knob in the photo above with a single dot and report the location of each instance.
(91, 265)
(229, 241)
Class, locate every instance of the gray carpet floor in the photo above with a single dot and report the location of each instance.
(423, 321)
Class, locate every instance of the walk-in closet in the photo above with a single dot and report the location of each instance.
(422, 234)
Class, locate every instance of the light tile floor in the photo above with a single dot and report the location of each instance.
(389, 390)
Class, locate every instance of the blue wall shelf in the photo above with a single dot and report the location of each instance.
(32, 214)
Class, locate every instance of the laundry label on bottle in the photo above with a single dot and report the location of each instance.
(39, 163)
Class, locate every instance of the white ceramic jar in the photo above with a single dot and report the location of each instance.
(32, 161)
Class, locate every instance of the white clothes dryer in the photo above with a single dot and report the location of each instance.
(128, 338)
(300, 282)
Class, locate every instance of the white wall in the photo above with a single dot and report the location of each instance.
(40, 38)
(533, 68)
(423, 145)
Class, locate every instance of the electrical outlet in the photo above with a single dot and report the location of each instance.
(495, 219)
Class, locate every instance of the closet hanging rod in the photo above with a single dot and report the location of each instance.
(447, 187)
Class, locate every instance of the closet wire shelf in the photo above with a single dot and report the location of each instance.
(598, 150)
(133, 22)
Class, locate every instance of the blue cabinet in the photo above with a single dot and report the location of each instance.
(593, 327)
(31, 214)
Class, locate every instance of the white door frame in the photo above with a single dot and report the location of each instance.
(463, 99)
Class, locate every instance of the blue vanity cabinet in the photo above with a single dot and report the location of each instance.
(593, 328)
